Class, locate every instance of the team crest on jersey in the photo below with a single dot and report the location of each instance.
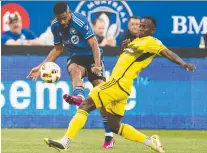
(75, 39)
(115, 14)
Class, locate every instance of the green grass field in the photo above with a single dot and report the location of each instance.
(90, 141)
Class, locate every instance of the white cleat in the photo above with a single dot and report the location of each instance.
(156, 144)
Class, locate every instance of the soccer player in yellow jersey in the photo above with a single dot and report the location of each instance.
(113, 94)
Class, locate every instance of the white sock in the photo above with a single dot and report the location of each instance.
(83, 98)
(65, 142)
(109, 134)
(147, 141)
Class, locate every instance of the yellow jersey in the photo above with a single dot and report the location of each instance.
(136, 56)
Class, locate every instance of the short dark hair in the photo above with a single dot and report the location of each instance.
(60, 8)
(153, 20)
(133, 17)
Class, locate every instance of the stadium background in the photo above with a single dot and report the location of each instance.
(164, 96)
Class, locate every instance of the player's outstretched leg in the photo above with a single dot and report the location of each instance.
(75, 125)
(109, 137)
(130, 133)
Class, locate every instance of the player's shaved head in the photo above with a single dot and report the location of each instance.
(153, 20)
(147, 26)
(60, 8)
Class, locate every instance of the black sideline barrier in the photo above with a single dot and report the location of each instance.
(107, 51)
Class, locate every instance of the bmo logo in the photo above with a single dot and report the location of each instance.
(189, 25)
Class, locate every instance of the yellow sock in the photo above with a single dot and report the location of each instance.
(130, 133)
(77, 123)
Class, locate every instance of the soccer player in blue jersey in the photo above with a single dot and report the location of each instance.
(73, 31)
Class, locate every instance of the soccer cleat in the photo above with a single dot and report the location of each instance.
(55, 144)
(109, 142)
(74, 100)
(155, 144)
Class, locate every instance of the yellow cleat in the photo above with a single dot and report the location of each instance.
(156, 144)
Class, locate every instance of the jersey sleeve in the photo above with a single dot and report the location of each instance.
(153, 46)
(56, 35)
(87, 31)
(84, 26)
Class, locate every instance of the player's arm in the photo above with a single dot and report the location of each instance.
(96, 51)
(53, 55)
(124, 43)
(88, 34)
(176, 59)
(58, 46)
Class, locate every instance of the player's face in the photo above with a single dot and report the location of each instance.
(133, 26)
(16, 26)
(64, 18)
(146, 28)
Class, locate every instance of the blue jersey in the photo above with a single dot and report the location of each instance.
(75, 36)
(25, 34)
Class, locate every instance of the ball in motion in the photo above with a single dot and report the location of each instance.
(50, 72)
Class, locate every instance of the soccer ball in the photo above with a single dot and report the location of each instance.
(50, 72)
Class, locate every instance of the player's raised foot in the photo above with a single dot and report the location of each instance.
(109, 142)
(74, 100)
(155, 144)
(55, 144)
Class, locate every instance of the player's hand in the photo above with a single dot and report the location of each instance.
(96, 69)
(125, 42)
(34, 73)
(189, 67)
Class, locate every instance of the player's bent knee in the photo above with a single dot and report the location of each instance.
(114, 122)
(87, 105)
(74, 73)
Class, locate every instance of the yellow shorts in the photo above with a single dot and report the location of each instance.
(110, 96)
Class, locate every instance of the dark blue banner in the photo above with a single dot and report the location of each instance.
(163, 96)
(179, 24)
